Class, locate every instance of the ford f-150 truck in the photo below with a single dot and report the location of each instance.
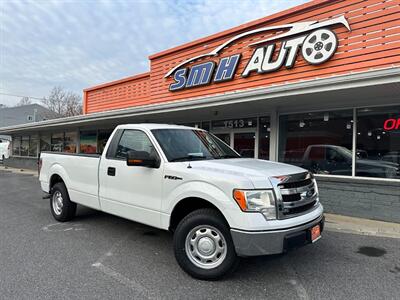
(218, 205)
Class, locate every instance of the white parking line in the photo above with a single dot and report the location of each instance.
(295, 282)
(62, 227)
(110, 252)
(135, 286)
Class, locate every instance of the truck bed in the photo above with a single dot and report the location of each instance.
(79, 171)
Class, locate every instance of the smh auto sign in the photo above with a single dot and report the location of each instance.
(315, 40)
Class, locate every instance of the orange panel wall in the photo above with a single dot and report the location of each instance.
(373, 43)
(127, 92)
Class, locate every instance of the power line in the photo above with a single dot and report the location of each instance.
(20, 96)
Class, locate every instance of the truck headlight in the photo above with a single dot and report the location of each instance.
(262, 201)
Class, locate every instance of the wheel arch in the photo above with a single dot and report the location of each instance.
(187, 205)
(54, 179)
(57, 173)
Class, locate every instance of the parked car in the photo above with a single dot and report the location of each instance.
(337, 160)
(218, 205)
(5, 149)
(393, 156)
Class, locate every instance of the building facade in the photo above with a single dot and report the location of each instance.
(17, 115)
(317, 86)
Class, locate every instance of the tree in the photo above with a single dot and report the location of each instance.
(63, 102)
(24, 101)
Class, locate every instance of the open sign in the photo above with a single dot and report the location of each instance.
(392, 124)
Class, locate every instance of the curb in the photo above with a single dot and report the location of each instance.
(339, 223)
(19, 171)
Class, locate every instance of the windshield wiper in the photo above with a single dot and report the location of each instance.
(188, 157)
(227, 156)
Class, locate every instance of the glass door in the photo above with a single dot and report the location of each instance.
(245, 143)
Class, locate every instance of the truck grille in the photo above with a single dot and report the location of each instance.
(296, 184)
(297, 194)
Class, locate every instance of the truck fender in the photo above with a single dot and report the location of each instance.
(57, 169)
(202, 190)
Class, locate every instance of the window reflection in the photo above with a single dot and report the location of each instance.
(16, 145)
(70, 140)
(378, 142)
(33, 145)
(57, 142)
(25, 146)
(88, 142)
(102, 138)
(318, 141)
(45, 142)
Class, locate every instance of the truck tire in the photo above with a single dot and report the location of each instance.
(61, 207)
(203, 245)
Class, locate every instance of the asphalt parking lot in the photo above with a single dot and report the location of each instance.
(98, 256)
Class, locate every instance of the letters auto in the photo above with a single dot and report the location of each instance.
(316, 43)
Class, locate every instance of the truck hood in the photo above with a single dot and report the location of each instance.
(256, 170)
(376, 163)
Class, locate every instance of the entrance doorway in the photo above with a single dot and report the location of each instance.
(242, 140)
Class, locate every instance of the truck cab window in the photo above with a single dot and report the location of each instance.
(137, 141)
(186, 144)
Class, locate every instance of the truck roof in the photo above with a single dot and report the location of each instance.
(151, 126)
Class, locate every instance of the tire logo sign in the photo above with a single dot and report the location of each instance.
(314, 40)
(319, 46)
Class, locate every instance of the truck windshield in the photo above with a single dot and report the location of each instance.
(186, 144)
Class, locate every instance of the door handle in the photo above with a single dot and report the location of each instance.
(111, 171)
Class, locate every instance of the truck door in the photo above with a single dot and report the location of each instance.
(337, 162)
(132, 192)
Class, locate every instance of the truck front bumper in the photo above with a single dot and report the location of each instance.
(249, 243)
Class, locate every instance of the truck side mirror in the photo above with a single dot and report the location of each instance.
(141, 159)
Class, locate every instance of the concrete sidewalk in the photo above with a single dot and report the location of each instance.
(361, 226)
(333, 222)
(19, 171)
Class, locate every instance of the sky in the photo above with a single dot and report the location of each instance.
(78, 44)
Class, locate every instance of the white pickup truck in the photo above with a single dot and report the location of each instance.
(4, 149)
(219, 206)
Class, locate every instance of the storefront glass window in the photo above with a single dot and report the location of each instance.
(378, 142)
(33, 145)
(16, 145)
(70, 142)
(88, 142)
(24, 146)
(102, 139)
(57, 142)
(320, 141)
(194, 124)
(264, 138)
(45, 142)
(205, 125)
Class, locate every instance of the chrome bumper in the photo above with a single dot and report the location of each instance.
(257, 243)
